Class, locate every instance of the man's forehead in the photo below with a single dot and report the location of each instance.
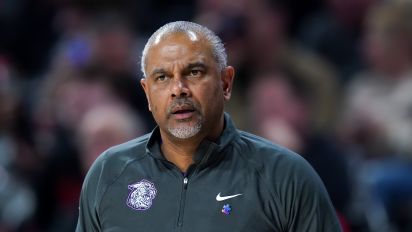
(186, 38)
(191, 35)
(182, 46)
(179, 42)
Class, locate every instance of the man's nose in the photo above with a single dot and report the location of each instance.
(179, 87)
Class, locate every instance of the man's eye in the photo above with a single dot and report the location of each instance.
(195, 72)
(161, 78)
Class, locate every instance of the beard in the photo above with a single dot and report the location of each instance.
(185, 130)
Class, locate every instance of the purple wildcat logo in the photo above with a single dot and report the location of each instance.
(141, 195)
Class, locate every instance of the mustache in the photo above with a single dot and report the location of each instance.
(180, 103)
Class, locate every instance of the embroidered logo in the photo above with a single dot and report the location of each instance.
(141, 195)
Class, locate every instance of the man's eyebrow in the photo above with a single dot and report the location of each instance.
(157, 71)
(197, 65)
(189, 66)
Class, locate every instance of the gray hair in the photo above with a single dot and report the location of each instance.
(191, 29)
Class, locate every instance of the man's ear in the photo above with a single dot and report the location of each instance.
(143, 83)
(228, 74)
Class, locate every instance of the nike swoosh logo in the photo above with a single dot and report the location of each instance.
(220, 198)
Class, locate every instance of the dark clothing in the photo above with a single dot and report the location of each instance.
(328, 160)
(240, 183)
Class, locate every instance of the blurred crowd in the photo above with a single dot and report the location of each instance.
(329, 79)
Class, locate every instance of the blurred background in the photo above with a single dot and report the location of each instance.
(329, 79)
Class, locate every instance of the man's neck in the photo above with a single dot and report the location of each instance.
(180, 153)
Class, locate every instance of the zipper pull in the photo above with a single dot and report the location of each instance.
(185, 180)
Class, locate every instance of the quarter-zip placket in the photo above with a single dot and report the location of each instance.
(185, 181)
(182, 201)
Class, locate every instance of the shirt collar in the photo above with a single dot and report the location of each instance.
(207, 153)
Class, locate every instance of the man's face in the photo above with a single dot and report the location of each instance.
(184, 86)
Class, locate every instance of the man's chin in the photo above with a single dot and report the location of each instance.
(185, 132)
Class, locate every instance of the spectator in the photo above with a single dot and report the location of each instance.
(334, 32)
(104, 126)
(377, 117)
(282, 110)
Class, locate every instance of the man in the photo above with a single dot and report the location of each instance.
(195, 171)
